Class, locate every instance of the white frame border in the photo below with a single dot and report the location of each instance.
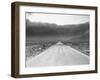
(22, 27)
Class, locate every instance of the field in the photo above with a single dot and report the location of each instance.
(35, 48)
(82, 47)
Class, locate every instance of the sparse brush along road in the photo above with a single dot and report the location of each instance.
(58, 55)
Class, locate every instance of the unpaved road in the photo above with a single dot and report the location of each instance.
(58, 55)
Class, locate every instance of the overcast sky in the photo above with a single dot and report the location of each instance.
(59, 19)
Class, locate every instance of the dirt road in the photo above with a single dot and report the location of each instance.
(58, 55)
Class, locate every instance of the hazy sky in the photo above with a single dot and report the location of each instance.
(59, 19)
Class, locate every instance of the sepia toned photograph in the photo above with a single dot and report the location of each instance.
(57, 39)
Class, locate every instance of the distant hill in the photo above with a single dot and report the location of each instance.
(74, 33)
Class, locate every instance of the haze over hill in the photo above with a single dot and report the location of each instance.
(52, 32)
